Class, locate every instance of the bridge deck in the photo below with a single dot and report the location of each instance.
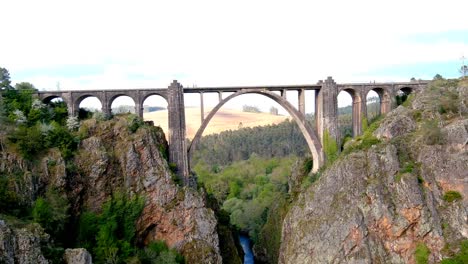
(216, 89)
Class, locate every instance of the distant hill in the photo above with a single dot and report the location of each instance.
(225, 119)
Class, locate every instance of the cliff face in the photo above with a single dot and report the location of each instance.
(22, 245)
(379, 205)
(111, 158)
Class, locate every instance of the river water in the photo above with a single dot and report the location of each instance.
(248, 254)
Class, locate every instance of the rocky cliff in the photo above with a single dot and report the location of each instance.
(110, 158)
(401, 200)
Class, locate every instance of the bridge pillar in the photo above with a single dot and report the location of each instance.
(202, 108)
(326, 109)
(387, 102)
(177, 143)
(220, 97)
(301, 101)
(139, 109)
(283, 94)
(359, 113)
(362, 111)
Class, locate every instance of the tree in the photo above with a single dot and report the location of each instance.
(438, 77)
(463, 70)
(25, 86)
(273, 110)
(4, 79)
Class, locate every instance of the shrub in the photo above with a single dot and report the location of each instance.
(461, 257)
(451, 196)
(330, 147)
(421, 253)
(9, 199)
(134, 122)
(432, 133)
(51, 212)
(116, 230)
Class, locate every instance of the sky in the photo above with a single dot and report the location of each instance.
(142, 44)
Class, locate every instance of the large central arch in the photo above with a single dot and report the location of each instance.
(309, 134)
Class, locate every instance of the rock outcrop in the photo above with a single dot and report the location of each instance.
(77, 256)
(379, 205)
(113, 158)
(22, 245)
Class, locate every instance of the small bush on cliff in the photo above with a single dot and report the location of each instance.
(366, 140)
(330, 147)
(421, 253)
(110, 235)
(51, 212)
(9, 198)
(116, 229)
(451, 196)
(461, 257)
(134, 122)
(158, 252)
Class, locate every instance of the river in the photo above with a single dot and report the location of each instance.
(248, 254)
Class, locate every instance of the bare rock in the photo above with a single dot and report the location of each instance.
(112, 158)
(77, 256)
(22, 245)
(364, 210)
(456, 133)
(396, 123)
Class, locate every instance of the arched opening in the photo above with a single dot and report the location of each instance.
(87, 106)
(155, 110)
(345, 115)
(373, 104)
(59, 108)
(309, 135)
(122, 104)
(402, 95)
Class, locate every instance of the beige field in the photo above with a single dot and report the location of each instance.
(225, 119)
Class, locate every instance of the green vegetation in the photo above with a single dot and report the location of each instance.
(421, 253)
(51, 212)
(451, 196)
(110, 235)
(330, 147)
(432, 133)
(365, 141)
(247, 189)
(270, 141)
(38, 126)
(461, 257)
(32, 129)
(134, 123)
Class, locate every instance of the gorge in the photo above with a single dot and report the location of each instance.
(395, 194)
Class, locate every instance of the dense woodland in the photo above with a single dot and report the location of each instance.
(279, 140)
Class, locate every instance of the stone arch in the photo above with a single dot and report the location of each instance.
(401, 94)
(143, 98)
(76, 104)
(162, 122)
(48, 99)
(117, 95)
(310, 135)
(385, 98)
(357, 110)
(380, 93)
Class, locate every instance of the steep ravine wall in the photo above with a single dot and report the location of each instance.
(111, 158)
(379, 205)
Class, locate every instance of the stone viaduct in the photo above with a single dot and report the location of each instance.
(326, 109)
